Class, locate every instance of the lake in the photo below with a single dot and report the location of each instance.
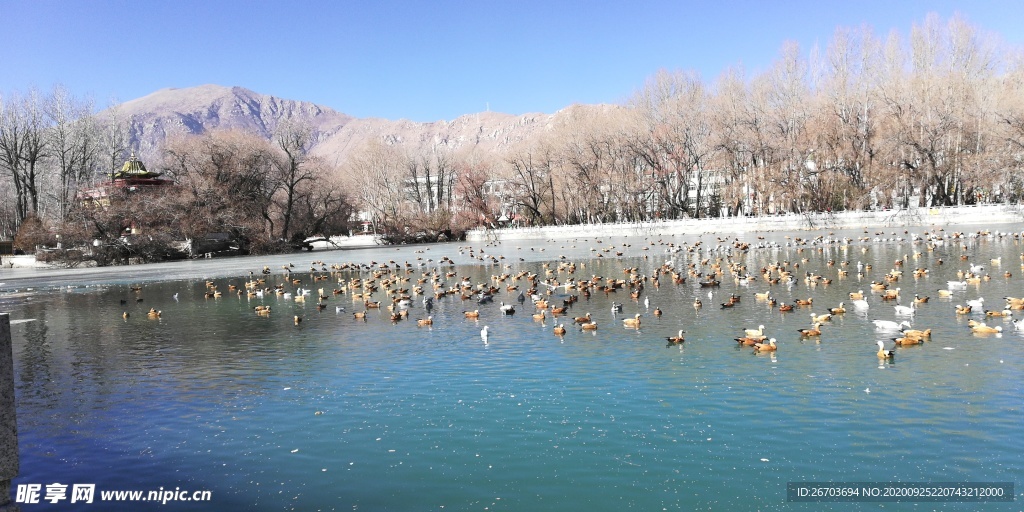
(339, 413)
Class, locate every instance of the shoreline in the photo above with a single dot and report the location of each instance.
(904, 218)
(337, 243)
(522, 244)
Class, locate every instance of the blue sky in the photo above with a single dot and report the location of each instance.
(428, 60)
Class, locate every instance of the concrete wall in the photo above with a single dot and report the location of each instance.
(8, 425)
(947, 216)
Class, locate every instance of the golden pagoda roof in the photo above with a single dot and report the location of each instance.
(134, 168)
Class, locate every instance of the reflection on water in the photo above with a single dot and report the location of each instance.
(343, 413)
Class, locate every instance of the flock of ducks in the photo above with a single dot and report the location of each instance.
(559, 285)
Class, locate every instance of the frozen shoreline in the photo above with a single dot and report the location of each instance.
(912, 217)
(522, 242)
(336, 243)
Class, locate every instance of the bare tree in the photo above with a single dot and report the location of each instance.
(23, 147)
(376, 172)
(113, 136)
(225, 182)
(531, 171)
(848, 121)
(72, 142)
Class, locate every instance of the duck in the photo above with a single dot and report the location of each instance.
(963, 310)
(616, 307)
(811, 332)
(918, 299)
(802, 302)
(540, 315)
(945, 293)
(839, 309)
(917, 333)
(559, 329)
(766, 347)
(786, 307)
(582, 319)
(1003, 313)
(857, 295)
(125, 315)
(889, 325)
(153, 313)
(904, 310)
(590, 326)
(884, 353)
(472, 314)
(755, 332)
(750, 340)
(677, 339)
(297, 319)
(908, 340)
(359, 315)
(425, 321)
(657, 312)
(821, 318)
(981, 328)
(632, 322)
(508, 309)
(697, 304)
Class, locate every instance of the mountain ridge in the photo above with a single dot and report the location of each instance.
(170, 112)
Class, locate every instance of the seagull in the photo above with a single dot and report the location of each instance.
(175, 295)
(508, 309)
(483, 334)
(338, 309)
(860, 305)
(977, 304)
(647, 302)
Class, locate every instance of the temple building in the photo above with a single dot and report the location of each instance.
(133, 176)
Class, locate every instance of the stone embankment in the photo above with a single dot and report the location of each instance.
(913, 217)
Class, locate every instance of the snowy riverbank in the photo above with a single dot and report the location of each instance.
(338, 242)
(913, 217)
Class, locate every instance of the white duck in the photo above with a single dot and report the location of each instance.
(889, 325)
(905, 310)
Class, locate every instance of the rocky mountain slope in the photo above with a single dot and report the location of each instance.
(195, 110)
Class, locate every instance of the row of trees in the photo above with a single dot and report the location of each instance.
(265, 195)
(51, 145)
(933, 119)
(936, 119)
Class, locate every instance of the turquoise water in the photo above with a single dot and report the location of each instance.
(344, 414)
